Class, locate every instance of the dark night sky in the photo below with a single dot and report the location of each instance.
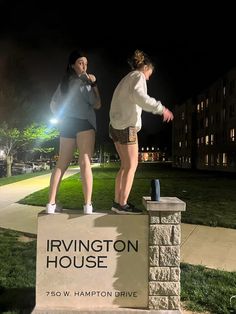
(191, 47)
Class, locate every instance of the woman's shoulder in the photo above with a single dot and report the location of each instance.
(136, 74)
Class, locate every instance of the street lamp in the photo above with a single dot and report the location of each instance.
(53, 121)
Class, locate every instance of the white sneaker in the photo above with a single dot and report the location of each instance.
(88, 209)
(53, 208)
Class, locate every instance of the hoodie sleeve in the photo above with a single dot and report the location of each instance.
(141, 98)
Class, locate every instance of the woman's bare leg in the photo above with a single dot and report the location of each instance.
(67, 146)
(124, 179)
(85, 142)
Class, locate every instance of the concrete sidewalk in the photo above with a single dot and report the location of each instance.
(213, 247)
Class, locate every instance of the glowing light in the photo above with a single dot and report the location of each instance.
(53, 121)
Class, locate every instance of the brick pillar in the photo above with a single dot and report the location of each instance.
(164, 252)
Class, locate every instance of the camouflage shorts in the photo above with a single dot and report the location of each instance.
(125, 136)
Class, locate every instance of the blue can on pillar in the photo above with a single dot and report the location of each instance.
(155, 190)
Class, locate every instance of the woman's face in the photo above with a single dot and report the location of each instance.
(147, 71)
(80, 65)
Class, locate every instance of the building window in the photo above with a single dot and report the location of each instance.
(186, 143)
(202, 140)
(224, 91)
(218, 160)
(212, 119)
(186, 128)
(232, 135)
(206, 160)
(231, 110)
(212, 139)
(212, 160)
(198, 107)
(202, 105)
(182, 115)
(180, 143)
(207, 139)
(206, 122)
(224, 159)
(198, 141)
(231, 87)
(224, 113)
(207, 101)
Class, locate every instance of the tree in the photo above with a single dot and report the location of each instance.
(32, 137)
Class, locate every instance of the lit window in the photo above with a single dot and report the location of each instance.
(206, 159)
(224, 90)
(202, 105)
(198, 107)
(207, 101)
(180, 144)
(212, 139)
(207, 140)
(198, 141)
(232, 135)
(224, 159)
(152, 148)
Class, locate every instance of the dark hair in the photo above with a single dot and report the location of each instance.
(74, 55)
(139, 59)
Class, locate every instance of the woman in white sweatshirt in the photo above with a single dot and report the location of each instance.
(129, 99)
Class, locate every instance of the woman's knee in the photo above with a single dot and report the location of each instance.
(84, 162)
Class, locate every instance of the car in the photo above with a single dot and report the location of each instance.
(35, 165)
(20, 168)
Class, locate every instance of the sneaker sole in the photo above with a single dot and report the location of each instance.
(124, 212)
(52, 213)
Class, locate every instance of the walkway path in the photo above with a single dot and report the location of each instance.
(209, 246)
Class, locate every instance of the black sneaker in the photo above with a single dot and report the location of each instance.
(126, 209)
(115, 206)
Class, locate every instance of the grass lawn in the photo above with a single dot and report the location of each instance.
(210, 197)
(202, 289)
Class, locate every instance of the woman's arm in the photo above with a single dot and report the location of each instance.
(97, 103)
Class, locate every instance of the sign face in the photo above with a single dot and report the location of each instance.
(86, 261)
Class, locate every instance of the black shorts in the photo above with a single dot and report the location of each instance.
(69, 127)
(126, 136)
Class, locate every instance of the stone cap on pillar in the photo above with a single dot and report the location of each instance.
(170, 204)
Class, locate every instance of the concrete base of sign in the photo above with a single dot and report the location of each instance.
(104, 311)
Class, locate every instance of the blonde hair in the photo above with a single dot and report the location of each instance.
(139, 59)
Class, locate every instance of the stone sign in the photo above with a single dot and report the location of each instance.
(92, 261)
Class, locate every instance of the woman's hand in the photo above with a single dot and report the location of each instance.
(88, 78)
(167, 115)
(91, 78)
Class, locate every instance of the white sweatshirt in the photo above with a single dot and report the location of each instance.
(129, 98)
